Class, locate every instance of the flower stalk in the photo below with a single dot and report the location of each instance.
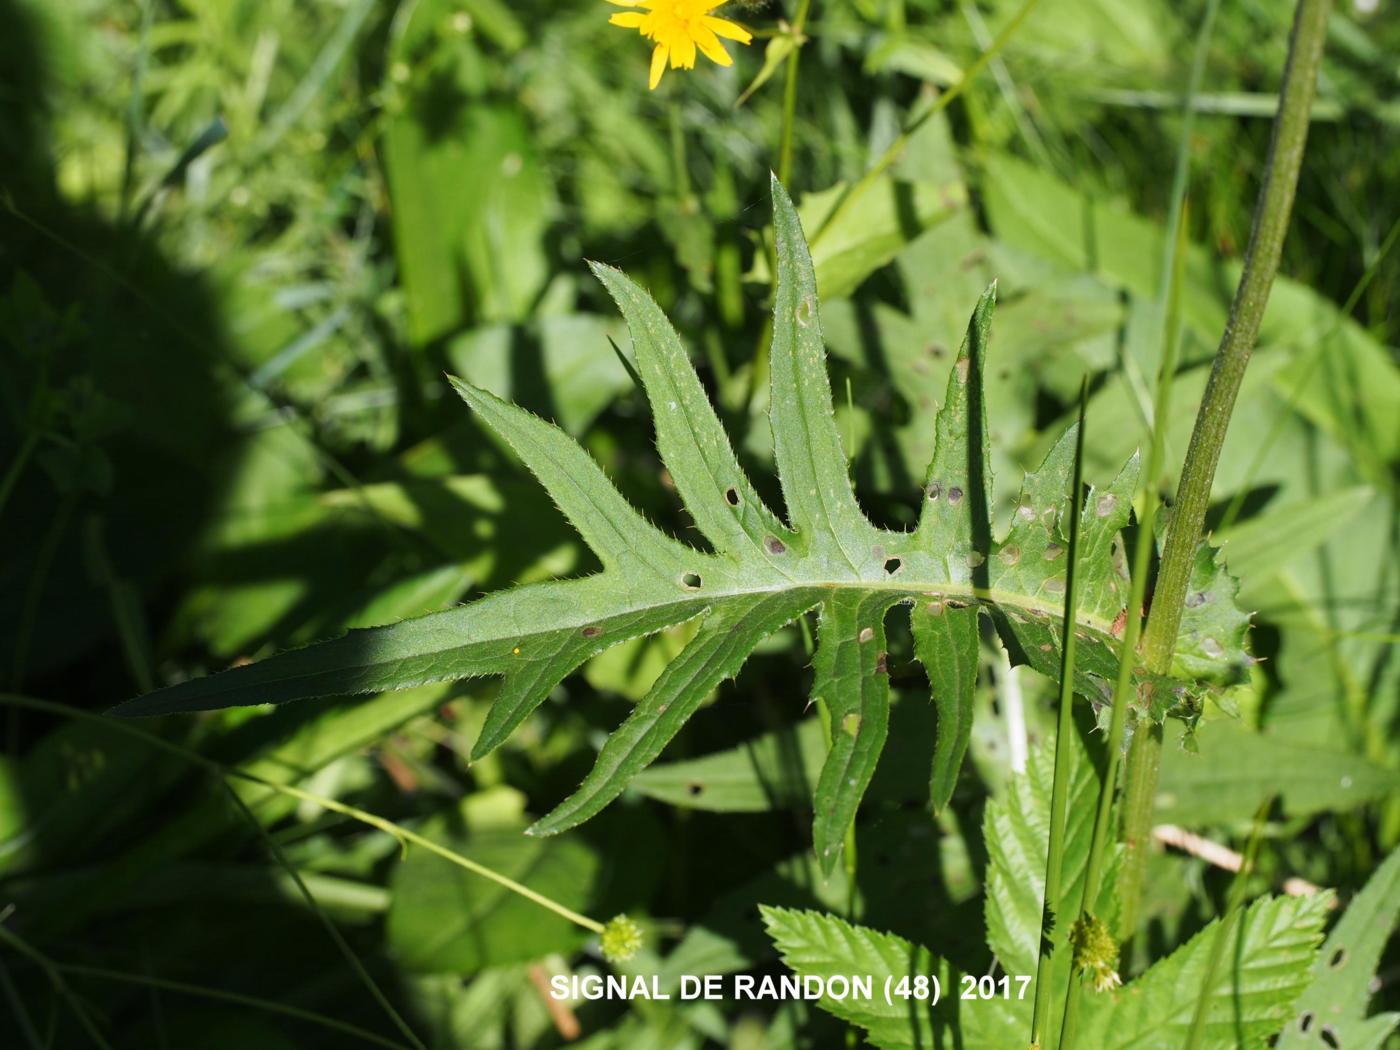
(1261, 263)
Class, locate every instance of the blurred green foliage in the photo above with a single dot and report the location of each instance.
(241, 241)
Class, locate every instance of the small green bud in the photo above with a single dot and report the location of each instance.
(1095, 952)
(621, 939)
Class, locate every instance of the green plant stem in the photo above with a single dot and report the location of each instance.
(1132, 626)
(1227, 922)
(1213, 419)
(937, 106)
(758, 376)
(402, 834)
(799, 22)
(60, 986)
(1052, 910)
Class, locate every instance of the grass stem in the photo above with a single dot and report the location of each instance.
(1052, 911)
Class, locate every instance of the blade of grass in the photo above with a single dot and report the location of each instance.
(937, 106)
(1213, 419)
(1052, 910)
(17, 1008)
(333, 931)
(758, 375)
(402, 834)
(1132, 626)
(236, 998)
(59, 985)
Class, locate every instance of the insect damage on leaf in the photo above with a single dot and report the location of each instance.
(764, 572)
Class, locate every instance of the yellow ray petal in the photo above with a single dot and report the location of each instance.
(627, 19)
(683, 52)
(725, 28)
(658, 65)
(707, 42)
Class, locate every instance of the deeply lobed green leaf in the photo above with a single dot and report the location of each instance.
(763, 573)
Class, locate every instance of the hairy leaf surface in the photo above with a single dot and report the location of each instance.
(763, 572)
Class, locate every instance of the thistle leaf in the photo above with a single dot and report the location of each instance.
(763, 573)
(945, 641)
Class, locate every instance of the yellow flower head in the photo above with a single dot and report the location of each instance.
(679, 27)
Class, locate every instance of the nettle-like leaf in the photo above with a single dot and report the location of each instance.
(1016, 831)
(1268, 953)
(1266, 961)
(762, 573)
(816, 945)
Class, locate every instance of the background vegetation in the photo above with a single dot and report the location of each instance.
(240, 243)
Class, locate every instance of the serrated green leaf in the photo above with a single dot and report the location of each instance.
(945, 641)
(725, 640)
(1264, 967)
(1340, 990)
(853, 682)
(761, 574)
(1016, 830)
(812, 465)
(813, 944)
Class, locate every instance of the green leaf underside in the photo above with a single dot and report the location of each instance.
(762, 573)
(945, 641)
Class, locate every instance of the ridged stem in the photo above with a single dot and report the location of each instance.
(1261, 262)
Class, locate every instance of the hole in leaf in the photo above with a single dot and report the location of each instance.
(1329, 1036)
(892, 566)
(695, 788)
(1338, 958)
(1305, 1022)
(774, 545)
(731, 496)
(934, 490)
(691, 580)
